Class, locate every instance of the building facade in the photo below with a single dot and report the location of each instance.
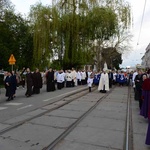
(146, 58)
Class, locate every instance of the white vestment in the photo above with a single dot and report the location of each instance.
(90, 82)
(104, 80)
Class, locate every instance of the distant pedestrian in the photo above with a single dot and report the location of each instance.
(37, 81)
(138, 87)
(145, 110)
(60, 80)
(14, 83)
(8, 86)
(110, 74)
(90, 82)
(29, 81)
(50, 81)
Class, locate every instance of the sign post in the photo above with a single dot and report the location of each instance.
(12, 60)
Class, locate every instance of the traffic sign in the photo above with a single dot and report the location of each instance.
(12, 60)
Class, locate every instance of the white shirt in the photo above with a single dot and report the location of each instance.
(60, 78)
(90, 82)
(134, 75)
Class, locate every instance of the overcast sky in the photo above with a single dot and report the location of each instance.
(132, 58)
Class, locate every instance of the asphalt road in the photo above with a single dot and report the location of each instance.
(21, 104)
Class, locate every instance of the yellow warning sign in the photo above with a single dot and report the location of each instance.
(12, 60)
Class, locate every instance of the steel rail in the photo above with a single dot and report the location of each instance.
(127, 132)
(72, 126)
(15, 125)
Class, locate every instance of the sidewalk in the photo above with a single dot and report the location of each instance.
(104, 128)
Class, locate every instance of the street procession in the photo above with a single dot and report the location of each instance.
(74, 75)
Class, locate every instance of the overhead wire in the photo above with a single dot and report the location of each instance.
(141, 22)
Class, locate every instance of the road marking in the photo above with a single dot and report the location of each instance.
(2, 108)
(25, 107)
(14, 104)
(60, 95)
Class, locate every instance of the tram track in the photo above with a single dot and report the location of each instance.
(66, 104)
(128, 136)
(128, 143)
(52, 145)
(56, 104)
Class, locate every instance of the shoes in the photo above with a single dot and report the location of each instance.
(8, 99)
(28, 95)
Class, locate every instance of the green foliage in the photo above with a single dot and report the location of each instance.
(63, 33)
(15, 39)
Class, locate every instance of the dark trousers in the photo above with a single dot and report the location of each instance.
(72, 83)
(110, 83)
(36, 90)
(79, 82)
(89, 89)
(59, 85)
(29, 91)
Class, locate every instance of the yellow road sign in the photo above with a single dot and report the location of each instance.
(12, 60)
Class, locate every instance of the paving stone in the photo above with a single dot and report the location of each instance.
(60, 103)
(108, 114)
(76, 107)
(103, 123)
(35, 112)
(34, 134)
(49, 107)
(72, 145)
(17, 145)
(3, 126)
(100, 137)
(17, 119)
(57, 122)
(65, 113)
(108, 107)
(117, 100)
(82, 103)
(139, 142)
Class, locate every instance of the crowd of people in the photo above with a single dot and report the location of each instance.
(104, 80)
(141, 85)
(54, 79)
(59, 78)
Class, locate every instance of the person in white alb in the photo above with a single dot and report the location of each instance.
(68, 79)
(79, 77)
(90, 82)
(104, 82)
(74, 77)
(83, 77)
(60, 80)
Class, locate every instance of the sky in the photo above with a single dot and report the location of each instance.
(138, 44)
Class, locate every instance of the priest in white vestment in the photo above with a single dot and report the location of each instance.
(104, 82)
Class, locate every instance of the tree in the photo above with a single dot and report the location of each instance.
(15, 39)
(41, 20)
(67, 30)
(112, 57)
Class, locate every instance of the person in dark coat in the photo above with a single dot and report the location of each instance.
(29, 81)
(145, 110)
(50, 80)
(37, 82)
(138, 87)
(145, 96)
(8, 86)
(14, 83)
(110, 74)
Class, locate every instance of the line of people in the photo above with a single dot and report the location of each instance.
(141, 85)
(34, 80)
(69, 78)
